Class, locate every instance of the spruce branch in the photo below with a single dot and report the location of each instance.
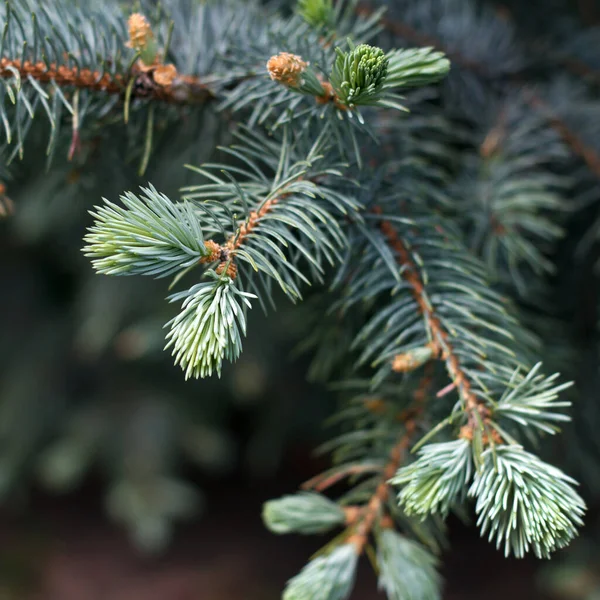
(289, 222)
(149, 235)
(305, 512)
(406, 569)
(327, 577)
(437, 480)
(525, 503)
(209, 327)
(402, 29)
(439, 345)
(73, 62)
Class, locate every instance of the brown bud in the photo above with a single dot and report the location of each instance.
(140, 31)
(287, 68)
(165, 74)
(375, 405)
(409, 361)
(214, 252)
(231, 271)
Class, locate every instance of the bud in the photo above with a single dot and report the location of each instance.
(409, 361)
(305, 512)
(230, 271)
(358, 75)
(164, 74)
(141, 37)
(214, 252)
(290, 70)
(287, 69)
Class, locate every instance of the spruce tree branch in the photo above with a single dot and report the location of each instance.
(420, 39)
(577, 145)
(225, 254)
(324, 481)
(440, 345)
(184, 89)
(588, 154)
(374, 510)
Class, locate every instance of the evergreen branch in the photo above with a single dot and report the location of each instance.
(446, 312)
(78, 59)
(374, 517)
(577, 145)
(440, 344)
(580, 148)
(372, 512)
(289, 220)
(182, 89)
(209, 327)
(406, 569)
(525, 503)
(150, 236)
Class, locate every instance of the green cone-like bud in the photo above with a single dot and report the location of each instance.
(358, 75)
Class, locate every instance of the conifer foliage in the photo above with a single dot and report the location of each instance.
(387, 157)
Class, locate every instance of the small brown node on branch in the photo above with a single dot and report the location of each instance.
(352, 514)
(386, 522)
(214, 252)
(164, 75)
(229, 268)
(329, 96)
(467, 432)
(409, 361)
(491, 143)
(376, 406)
(497, 227)
(7, 207)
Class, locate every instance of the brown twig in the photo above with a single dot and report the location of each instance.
(579, 147)
(439, 336)
(324, 481)
(475, 408)
(225, 254)
(374, 510)
(495, 135)
(184, 89)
